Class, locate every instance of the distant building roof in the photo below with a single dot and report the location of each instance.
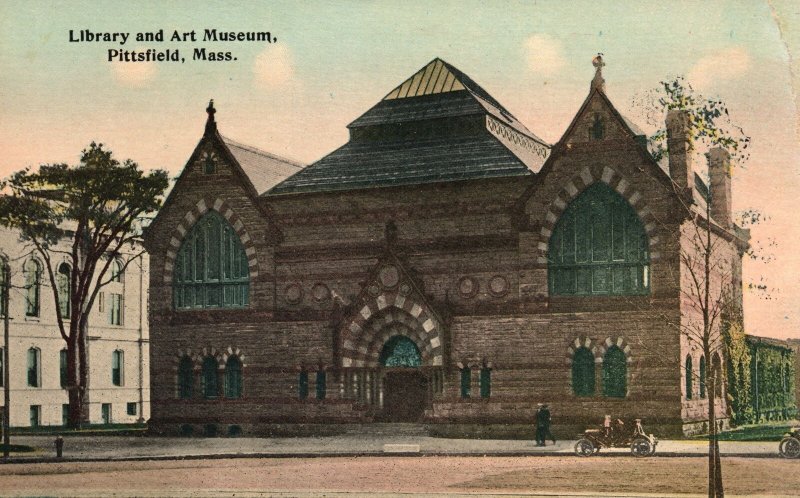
(436, 126)
(264, 170)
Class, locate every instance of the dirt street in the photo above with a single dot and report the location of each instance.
(369, 476)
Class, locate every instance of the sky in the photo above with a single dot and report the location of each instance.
(333, 60)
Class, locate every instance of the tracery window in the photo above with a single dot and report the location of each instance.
(615, 373)
(583, 372)
(598, 246)
(211, 268)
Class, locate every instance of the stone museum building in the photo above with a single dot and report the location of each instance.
(444, 266)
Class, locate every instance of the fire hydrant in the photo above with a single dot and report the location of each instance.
(59, 443)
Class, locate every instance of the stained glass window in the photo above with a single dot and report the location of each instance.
(211, 268)
(598, 246)
(233, 378)
(615, 373)
(400, 351)
(583, 372)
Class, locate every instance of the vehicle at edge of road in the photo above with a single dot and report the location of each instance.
(789, 446)
(615, 436)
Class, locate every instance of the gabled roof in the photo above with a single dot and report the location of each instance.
(264, 170)
(436, 126)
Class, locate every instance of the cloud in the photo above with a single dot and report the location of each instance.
(274, 66)
(134, 73)
(544, 54)
(728, 64)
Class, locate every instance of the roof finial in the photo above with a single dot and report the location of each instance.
(598, 82)
(211, 125)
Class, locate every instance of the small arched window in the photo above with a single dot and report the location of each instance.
(33, 287)
(321, 384)
(64, 289)
(466, 381)
(598, 246)
(615, 373)
(583, 372)
(34, 365)
(689, 372)
(486, 382)
(702, 377)
(233, 378)
(211, 268)
(210, 387)
(117, 368)
(116, 271)
(185, 378)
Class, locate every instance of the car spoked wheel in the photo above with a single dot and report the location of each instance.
(641, 447)
(584, 448)
(790, 447)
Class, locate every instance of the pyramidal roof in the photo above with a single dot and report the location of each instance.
(438, 78)
(436, 126)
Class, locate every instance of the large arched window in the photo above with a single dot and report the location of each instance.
(210, 389)
(615, 373)
(233, 378)
(211, 269)
(33, 287)
(64, 289)
(599, 246)
(583, 372)
(185, 378)
(689, 379)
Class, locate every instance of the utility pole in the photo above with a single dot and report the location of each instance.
(6, 388)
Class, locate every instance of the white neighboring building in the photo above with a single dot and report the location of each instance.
(119, 373)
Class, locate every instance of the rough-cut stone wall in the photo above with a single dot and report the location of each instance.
(474, 257)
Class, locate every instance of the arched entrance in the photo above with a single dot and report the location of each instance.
(405, 386)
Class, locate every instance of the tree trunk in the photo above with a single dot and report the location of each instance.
(73, 383)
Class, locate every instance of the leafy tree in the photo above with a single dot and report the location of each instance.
(98, 207)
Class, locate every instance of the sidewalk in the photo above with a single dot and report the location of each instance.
(94, 448)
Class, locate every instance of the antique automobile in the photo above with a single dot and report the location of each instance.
(790, 444)
(617, 435)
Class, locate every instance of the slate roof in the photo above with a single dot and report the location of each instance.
(264, 170)
(437, 91)
(382, 164)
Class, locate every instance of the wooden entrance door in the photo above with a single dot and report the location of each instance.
(405, 395)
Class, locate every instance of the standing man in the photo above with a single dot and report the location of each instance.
(546, 429)
(542, 421)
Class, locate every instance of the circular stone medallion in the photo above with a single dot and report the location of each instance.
(320, 292)
(389, 276)
(498, 285)
(294, 293)
(468, 287)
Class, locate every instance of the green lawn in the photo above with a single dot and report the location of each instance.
(772, 431)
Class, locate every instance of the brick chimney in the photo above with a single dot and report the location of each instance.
(719, 172)
(680, 156)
